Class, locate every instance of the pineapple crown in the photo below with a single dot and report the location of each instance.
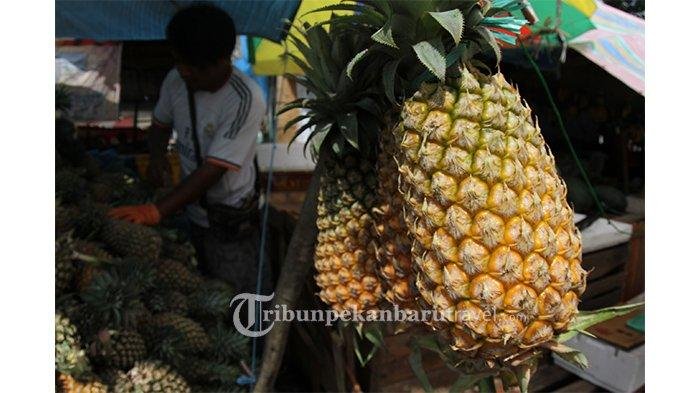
(371, 59)
(344, 109)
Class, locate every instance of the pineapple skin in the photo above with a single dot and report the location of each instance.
(151, 376)
(131, 240)
(68, 384)
(495, 244)
(393, 246)
(344, 255)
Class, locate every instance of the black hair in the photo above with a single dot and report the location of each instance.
(201, 34)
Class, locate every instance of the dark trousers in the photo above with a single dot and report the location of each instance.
(233, 257)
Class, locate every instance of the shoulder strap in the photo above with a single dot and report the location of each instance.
(195, 138)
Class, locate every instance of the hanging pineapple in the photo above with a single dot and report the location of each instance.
(345, 124)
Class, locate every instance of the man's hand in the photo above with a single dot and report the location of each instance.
(159, 170)
(138, 214)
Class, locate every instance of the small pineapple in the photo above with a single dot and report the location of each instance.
(394, 245)
(344, 252)
(70, 356)
(131, 240)
(173, 275)
(151, 376)
(181, 252)
(118, 349)
(168, 301)
(195, 338)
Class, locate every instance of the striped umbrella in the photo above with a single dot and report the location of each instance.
(616, 45)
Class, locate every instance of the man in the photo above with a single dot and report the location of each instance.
(216, 112)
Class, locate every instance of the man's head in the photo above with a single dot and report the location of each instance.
(202, 38)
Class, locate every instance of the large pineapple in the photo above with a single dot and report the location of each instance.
(497, 250)
(343, 258)
(151, 376)
(493, 240)
(131, 240)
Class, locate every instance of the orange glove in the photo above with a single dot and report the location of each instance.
(140, 214)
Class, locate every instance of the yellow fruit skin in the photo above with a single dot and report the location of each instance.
(494, 242)
(393, 251)
(344, 255)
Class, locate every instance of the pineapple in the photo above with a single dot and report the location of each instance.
(89, 220)
(89, 271)
(118, 349)
(151, 376)
(70, 356)
(66, 218)
(181, 252)
(168, 301)
(343, 257)
(70, 187)
(393, 246)
(194, 336)
(211, 301)
(496, 248)
(66, 268)
(68, 384)
(174, 275)
(131, 240)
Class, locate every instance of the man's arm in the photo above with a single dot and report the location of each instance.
(190, 189)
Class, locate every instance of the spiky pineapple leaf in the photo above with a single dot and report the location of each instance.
(571, 355)
(415, 360)
(452, 21)
(354, 61)
(586, 319)
(388, 80)
(432, 55)
(384, 35)
(464, 382)
(348, 127)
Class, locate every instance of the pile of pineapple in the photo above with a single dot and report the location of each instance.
(132, 312)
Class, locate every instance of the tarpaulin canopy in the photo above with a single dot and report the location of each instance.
(270, 56)
(616, 45)
(123, 20)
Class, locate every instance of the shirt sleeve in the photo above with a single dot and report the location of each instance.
(234, 141)
(163, 112)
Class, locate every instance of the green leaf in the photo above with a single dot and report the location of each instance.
(569, 354)
(586, 319)
(490, 40)
(354, 61)
(348, 127)
(388, 80)
(415, 360)
(370, 106)
(298, 103)
(294, 121)
(383, 35)
(452, 21)
(432, 55)
(464, 382)
(524, 373)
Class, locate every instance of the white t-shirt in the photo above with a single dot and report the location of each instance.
(228, 122)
